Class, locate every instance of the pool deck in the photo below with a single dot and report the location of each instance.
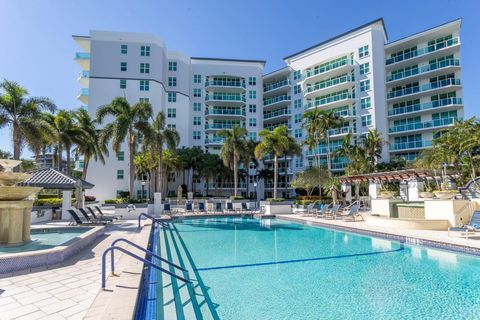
(438, 239)
(67, 290)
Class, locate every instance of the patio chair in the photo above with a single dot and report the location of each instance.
(105, 215)
(79, 221)
(309, 211)
(167, 208)
(106, 218)
(332, 213)
(245, 208)
(218, 207)
(201, 208)
(229, 208)
(188, 207)
(352, 213)
(323, 211)
(471, 228)
(92, 219)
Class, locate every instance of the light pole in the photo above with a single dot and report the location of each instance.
(143, 189)
(256, 196)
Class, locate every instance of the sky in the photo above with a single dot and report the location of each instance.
(37, 50)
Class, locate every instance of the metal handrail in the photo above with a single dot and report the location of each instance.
(154, 220)
(147, 251)
(104, 258)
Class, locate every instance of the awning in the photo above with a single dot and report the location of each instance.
(54, 179)
(391, 176)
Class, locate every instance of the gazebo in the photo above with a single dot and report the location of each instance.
(53, 179)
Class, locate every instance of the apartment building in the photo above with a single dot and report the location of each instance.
(408, 89)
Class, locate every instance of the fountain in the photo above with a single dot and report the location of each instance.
(15, 208)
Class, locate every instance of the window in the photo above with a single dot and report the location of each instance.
(297, 74)
(144, 100)
(297, 89)
(172, 97)
(299, 162)
(363, 51)
(145, 51)
(144, 85)
(171, 113)
(252, 122)
(197, 106)
(252, 136)
(298, 133)
(252, 108)
(172, 81)
(252, 94)
(252, 81)
(123, 84)
(366, 120)
(197, 135)
(365, 68)
(197, 78)
(120, 156)
(297, 103)
(197, 92)
(140, 196)
(365, 103)
(364, 85)
(120, 174)
(171, 126)
(123, 49)
(144, 67)
(297, 118)
(197, 121)
(172, 66)
(123, 66)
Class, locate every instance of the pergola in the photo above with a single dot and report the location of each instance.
(388, 176)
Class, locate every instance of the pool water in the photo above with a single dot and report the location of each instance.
(45, 239)
(273, 269)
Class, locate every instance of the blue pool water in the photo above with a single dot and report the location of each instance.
(274, 269)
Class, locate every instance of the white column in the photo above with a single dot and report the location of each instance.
(415, 186)
(157, 203)
(66, 204)
(373, 189)
(347, 188)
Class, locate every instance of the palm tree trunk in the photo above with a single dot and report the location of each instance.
(159, 172)
(59, 157)
(235, 174)
(329, 164)
(85, 168)
(17, 142)
(67, 150)
(131, 151)
(275, 176)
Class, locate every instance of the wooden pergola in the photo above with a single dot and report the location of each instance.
(391, 176)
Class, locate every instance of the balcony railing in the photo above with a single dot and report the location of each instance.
(84, 74)
(425, 106)
(275, 85)
(322, 150)
(424, 87)
(82, 55)
(276, 99)
(276, 113)
(225, 83)
(328, 67)
(424, 69)
(273, 126)
(83, 92)
(221, 125)
(225, 185)
(343, 130)
(226, 112)
(329, 83)
(423, 125)
(345, 113)
(280, 185)
(410, 145)
(216, 140)
(423, 51)
(333, 98)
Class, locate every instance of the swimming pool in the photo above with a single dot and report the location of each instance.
(273, 269)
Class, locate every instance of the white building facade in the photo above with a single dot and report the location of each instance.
(408, 90)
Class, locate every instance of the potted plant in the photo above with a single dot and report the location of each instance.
(445, 194)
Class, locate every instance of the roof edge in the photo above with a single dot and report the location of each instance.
(228, 59)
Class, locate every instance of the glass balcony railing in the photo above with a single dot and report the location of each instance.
(280, 185)
(423, 125)
(322, 150)
(215, 140)
(345, 113)
(84, 74)
(343, 130)
(423, 51)
(82, 55)
(225, 112)
(225, 185)
(221, 125)
(275, 85)
(276, 99)
(225, 83)
(328, 67)
(424, 69)
(224, 97)
(276, 113)
(83, 92)
(425, 106)
(410, 145)
(329, 83)
(422, 88)
(270, 127)
(332, 98)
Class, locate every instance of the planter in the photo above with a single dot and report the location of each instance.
(283, 207)
(445, 195)
(426, 195)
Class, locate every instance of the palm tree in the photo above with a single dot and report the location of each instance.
(276, 142)
(5, 154)
(129, 123)
(91, 146)
(311, 123)
(171, 162)
(357, 159)
(373, 143)
(232, 150)
(328, 120)
(248, 157)
(210, 167)
(23, 115)
(156, 136)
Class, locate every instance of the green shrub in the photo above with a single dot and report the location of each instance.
(48, 201)
(111, 201)
(275, 199)
(237, 198)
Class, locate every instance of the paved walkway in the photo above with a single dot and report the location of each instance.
(64, 291)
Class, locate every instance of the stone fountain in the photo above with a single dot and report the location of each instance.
(15, 207)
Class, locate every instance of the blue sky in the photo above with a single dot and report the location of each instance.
(37, 49)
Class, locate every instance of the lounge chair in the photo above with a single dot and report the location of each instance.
(79, 221)
(229, 208)
(104, 218)
(323, 211)
(471, 228)
(353, 212)
(218, 207)
(309, 210)
(105, 215)
(201, 208)
(333, 212)
(167, 209)
(188, 207)
(245, 208)
(92, 218)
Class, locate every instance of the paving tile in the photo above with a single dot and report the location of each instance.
(6, 300)
(47, 287)
(33, 316)
(4, 309)
(14, 291)
(38, 284)
(18, 312)
(34, 298)
(46, 302)
(78, 283)
(73, 310)
(57, 307)
(58, 291)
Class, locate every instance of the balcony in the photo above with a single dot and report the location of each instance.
(83, 95)
(320, 151)
(439, 67)
(214, 141)
(338, 132)
(221, 126)
(224, 113)
(329, 86)
(333, 100)
(225, 185)
(226, 85)
(83, 77)
(277, 101)
(433, 51)
(280, 185)
(276, 87)
(79, 165)
(427, 106)
(423, 88)
(329, 69)
(410, 145)
(272, 126)
(222, 99)
(277, 114)
(423, 125)
(83, 59)
(345, 113)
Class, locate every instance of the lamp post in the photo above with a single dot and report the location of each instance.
(256, 196)
(143, 188)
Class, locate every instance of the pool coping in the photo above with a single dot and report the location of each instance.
(385, 235)
(21, 261)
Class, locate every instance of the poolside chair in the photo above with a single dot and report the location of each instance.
(167, 208)
(323, 211)
(471, 228)
(218, 207)
(201, 208)
(106, 218)
(79, 221)
(92, 219)
(352, 213)
(332, 213)
(229, 208)
(309, 211)
(188, 207)
(105, 215)
(245, 208)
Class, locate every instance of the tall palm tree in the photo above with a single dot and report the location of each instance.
(171, 163)
(129, 123)
(248, 157)
(210, 167)
(328, 120)
(276, 142)
(232, 150)
(156, 136)
(311, 123)
(23, 115)
(91, 146)
(373, 143)
(356, 155)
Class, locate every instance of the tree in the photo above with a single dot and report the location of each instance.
(310, 179)
(171, 162)
(357, 159)
(232, 150)
(248, 157)
(311, 123)
(277, 143)
(373, 143)
(5, 154)
(23, 115)
(129, 123)
(210, 168)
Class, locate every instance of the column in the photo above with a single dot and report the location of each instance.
(66, 204)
